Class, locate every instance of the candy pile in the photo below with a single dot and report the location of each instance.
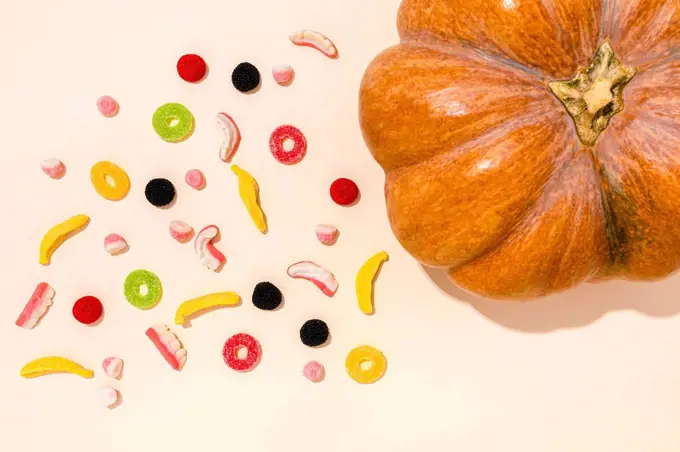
(173, 123)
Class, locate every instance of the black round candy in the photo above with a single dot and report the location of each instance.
(245, 77)
(314, 333)
(267, 296)
(159, 192)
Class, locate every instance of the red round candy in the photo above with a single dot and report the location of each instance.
(234, 344)
(282, 134)
(88, 310)
(191, 68)
(344, 191)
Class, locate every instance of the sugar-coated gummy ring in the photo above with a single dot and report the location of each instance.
(267, 296)
(245, 77)
(237, 342)
(344, 191)
(159, 192)
(173, 122)
(191, 68)
(282, 134)
(314, 332)
(132, 289)
(87, 310)
(365, 364)
(104, 172)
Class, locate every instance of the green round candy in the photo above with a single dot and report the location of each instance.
(173, 122)
(133, 289)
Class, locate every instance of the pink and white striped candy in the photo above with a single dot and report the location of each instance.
(114, 244)
(315, 40)
(232, 136)
(181, 231)
(195, 179)
(283, 74)
(109, 397)
(327, 234)
(168, 345)
(54, 168)
(36, 307)
(321, 277)
(113, 367)
(107, 106)
(208, 255)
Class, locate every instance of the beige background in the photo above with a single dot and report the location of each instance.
(596, 369)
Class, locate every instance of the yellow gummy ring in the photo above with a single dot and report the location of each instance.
(110, 181)
(366, 364)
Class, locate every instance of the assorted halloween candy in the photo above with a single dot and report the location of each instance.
(232, 136)
(53, 365)
(249, 192)
(58, 234)
(208, 255)
(173, 122)
(168, 345)
(54, 168)
(132, 289)
(196, 306)
(322, 278)
(114, 244)
(36, 307)
(316, 40)
(87, 310)
(231, 349)
(110, 181)
(278, 139)
(364, 283)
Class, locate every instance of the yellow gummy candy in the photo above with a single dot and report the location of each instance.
(364, 283)
(213, 300)
(58, 234)
(248, 190)
(366, 364)
(52, 365)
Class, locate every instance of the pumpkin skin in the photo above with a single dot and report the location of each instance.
(486, 174)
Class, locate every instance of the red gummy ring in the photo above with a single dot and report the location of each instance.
(87, 310)
(237, 342)
(282, 134)
(344, 191)
(191, 68)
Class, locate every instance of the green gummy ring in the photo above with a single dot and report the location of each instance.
(132, 289)
(173, 122)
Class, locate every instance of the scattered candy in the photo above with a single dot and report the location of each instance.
(249, 192)
(181, 231)
(283, 74)
(168, 345)
(232, 136)
(114, 244)
(208, 255)
(365, 364)
(36, 307)
(195, 179)
(58, 234)
(315, 40)
(236, 343)
(160, 192)
(87, 310)
(53, 365)
(364, 282)
(267, 296)
(322, 278)
(280, 136)
(54, 168)
(107, 106)
(110, 181)
(173, 122)
(191, 68)
(245, 77)
(327, 234)
(109, 397)
(314, 332)
(113, 367)
(314, 371)
(142, 289)
(344, 191)
(211, 301)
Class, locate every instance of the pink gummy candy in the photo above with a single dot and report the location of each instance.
(107, 106)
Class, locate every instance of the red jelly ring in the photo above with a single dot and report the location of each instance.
(282, 134)
(234, 344)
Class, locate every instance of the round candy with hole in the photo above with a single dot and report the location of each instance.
(173, 122)
(236, 343)
(142, 289)
(110, 181)
(288, 134)
(365, 364)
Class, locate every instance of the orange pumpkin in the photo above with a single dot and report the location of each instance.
(531, 145)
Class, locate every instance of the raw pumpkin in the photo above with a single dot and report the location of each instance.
(531, 145)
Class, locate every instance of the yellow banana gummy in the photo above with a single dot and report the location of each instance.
(213, 300)
(52, 365)
(364, 283)
(58, 234)
(249, 191)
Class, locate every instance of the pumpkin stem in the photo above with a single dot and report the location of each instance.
(595, 94)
